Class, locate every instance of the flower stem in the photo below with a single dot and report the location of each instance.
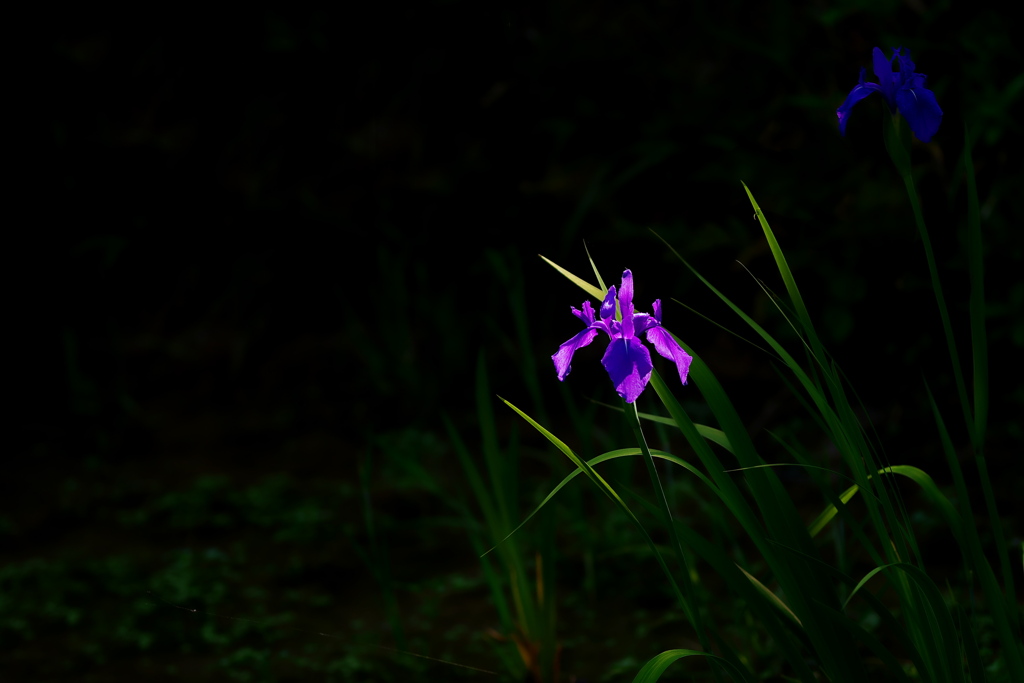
(897, 143)
(690, 606)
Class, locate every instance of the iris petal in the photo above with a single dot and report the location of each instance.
(906, 66)
(858, 93)
(886, 77)
(643, 322)
(608, 305)
(563, 357)
(626, 359)
(666, 345)
(918, 106)
(904, 91)
(628, 363)
(626, 304)
(586, 315)
(656, 307)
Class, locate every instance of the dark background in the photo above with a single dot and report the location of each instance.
(268, 248)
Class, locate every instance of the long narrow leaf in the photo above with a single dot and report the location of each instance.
(606, 488)
(597, 274)
(943, 646)
(783, 265)
(578, 281)
(604, 457)
(772, 597)
(1005, 614)
(979, 353)
(919, 477)
(979, 338)
(710, 433)
(657, 665)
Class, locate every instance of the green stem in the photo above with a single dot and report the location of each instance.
(897, 138)
(692, 610)
(979, 342)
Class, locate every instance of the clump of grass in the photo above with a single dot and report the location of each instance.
(892, 621)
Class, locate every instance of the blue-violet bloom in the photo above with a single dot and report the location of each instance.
(627, 360)
(903, 91)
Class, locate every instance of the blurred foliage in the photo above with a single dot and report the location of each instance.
(266, 171)
(264, 250)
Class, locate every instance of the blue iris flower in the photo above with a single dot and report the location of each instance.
(903, 91)
(626, 359)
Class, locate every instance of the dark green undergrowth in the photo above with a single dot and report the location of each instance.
(273, 250)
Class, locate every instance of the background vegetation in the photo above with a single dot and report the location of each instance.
(268, 249)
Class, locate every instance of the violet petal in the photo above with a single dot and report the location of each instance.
(563, 357)
(628, 363)
(666, 345)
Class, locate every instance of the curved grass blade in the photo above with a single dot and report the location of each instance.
(783, 266)
(772, 597)
(888, 619)
(787, 634)
(808, 384)
(710, 433)
(940, 644)
(719, 562)
(657, 665)
(843, 426)
(919, 477)
(734, 499)
(1005, 612)
(604, 457)
(606, 488)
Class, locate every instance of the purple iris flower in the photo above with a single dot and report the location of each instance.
(903, 91)
(627, 360)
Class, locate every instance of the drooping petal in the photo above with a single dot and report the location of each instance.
(563, 357)
(628, 363)
(668, 347)
(918, 106)
(859, 92)
(626, 304)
